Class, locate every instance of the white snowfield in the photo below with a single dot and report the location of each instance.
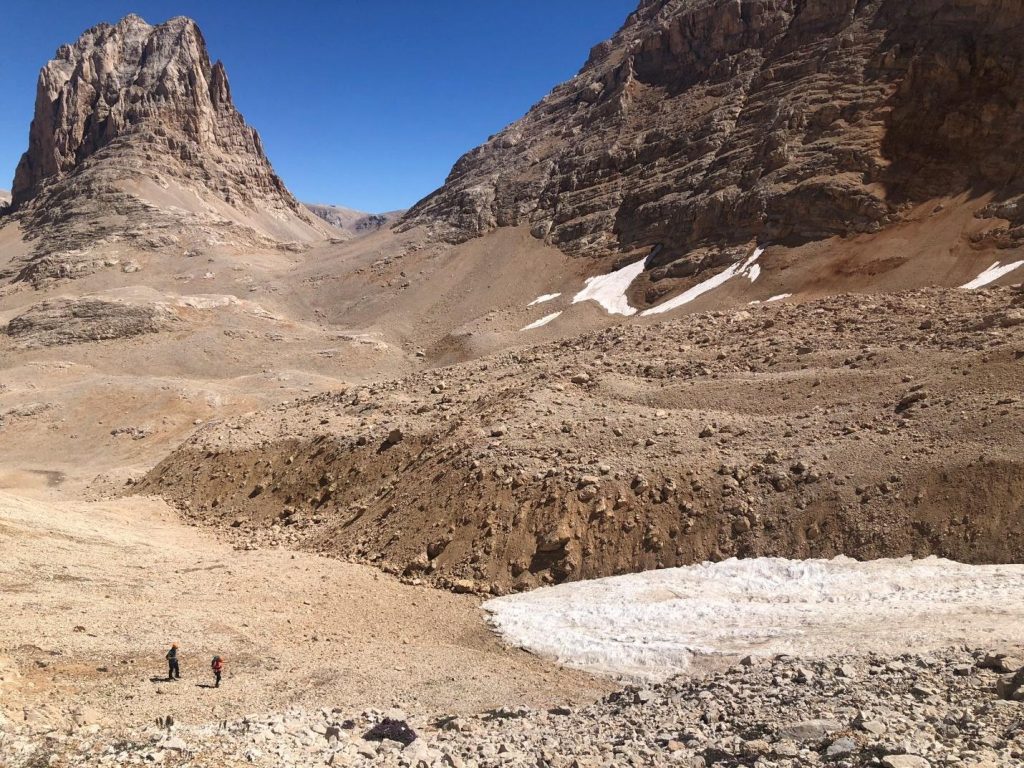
(651, 625)
(748, 269)
(610, 290)
(543, 321)
(543, 298)
(992, 274)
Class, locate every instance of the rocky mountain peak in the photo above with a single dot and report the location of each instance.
(134, 117)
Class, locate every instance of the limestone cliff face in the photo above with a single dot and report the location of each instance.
(704, 124)
(156, 83)
(133, 121)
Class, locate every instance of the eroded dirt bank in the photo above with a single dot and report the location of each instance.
(866, 426)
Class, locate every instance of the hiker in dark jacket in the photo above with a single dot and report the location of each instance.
(172, 663)
(217, 665)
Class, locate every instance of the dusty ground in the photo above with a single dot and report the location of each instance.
(93, 592)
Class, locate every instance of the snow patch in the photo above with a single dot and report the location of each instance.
(610, 290)
(748, 269)
(780, 297)
(542, 299)
(543, 321)
(992, 274)
(651, 625)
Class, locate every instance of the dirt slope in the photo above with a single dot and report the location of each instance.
(88, 630)
(870, 426)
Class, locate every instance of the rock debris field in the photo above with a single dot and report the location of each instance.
(905, 711)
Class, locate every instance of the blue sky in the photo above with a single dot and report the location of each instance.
(362, 103)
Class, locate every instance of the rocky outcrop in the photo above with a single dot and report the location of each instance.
(135, 139)
(73, 321)
(714, 123)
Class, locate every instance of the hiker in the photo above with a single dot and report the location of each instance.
(216, 665)
(172, 663)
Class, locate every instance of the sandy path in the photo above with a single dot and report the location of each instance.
(92, 593)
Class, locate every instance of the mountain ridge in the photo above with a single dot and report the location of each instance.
(704, 127)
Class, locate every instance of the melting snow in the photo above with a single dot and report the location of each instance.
(780, 297)
(746, 268)
(543, 321)
(992, 274)
(545, 297)
(610, 290)
(650, 625)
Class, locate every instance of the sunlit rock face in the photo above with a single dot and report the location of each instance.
(719, 122)
(135, 138)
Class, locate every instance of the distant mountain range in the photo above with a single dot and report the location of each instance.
(352, 221)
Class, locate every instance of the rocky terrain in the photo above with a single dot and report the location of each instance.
(136, 142)
(93, 593)
(914, 711)
(867, 426)
(704, 125)
(70, 321)
(314, 442)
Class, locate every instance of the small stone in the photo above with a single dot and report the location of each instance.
(874, 727)
(905, 761)
(847, 671)
(786, 749)
(176, 743)
(810, 730)
(841, 747)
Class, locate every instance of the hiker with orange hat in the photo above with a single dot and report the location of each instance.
(217, 665)
(172, 663)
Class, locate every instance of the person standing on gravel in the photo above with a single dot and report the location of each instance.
(172, 663)
(217, 665)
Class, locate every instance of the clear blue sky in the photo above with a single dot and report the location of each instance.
(365, 103)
